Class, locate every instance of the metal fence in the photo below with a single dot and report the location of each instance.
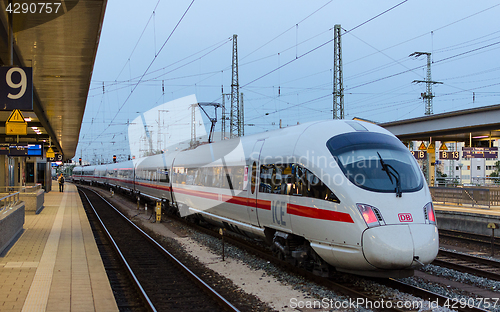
(9, 201)
(476, 181)
(473, 196)
(486, 181)
(21, 189)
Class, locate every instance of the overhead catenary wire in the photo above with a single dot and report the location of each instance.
(149, 66)
(321, 45)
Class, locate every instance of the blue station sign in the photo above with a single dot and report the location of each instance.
(21, 149)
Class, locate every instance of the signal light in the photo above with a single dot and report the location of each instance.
(114, 158)
(80, 161)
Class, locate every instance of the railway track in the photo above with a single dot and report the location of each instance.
(484, 240)
(126, 295)
(164, 282)
(469, 264)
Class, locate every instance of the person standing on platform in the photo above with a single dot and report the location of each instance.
(61, 182)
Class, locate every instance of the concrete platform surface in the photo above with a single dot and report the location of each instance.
(55, 264)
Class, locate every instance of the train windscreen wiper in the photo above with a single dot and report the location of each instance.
(391, 172)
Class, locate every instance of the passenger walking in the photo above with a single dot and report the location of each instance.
(61, 182)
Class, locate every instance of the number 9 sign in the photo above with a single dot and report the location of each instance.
(16, 88)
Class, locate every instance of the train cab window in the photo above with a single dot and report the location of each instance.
(376, 162)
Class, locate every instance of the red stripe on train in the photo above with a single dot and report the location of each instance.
(297, 210)
(316, 213)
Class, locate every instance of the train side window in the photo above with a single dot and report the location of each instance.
(286, 179)
(216, 171)
(190, 176)
(266, 172)
(179, 175)
(226, 181)
(299, 177)
(237, 177)
(163, 173)
(207, 177)
(302, 182)
(276, 180)
(253, 178)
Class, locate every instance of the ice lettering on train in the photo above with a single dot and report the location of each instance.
(278, 209)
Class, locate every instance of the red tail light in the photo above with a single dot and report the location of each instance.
(430, 218)
(368, 213)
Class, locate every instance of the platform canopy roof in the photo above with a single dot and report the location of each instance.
(480, 123)
(61, 48)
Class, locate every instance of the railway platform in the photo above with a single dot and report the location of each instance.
(467, 218)
(55, 265)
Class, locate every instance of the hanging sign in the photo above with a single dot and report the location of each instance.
(50, 153)
(15, 124)
(16, 88)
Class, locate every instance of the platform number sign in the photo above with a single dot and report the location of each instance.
(449, 155)
(16, 88)
(419, 154)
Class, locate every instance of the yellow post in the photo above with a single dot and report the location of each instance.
(431, 156)
(158, 211)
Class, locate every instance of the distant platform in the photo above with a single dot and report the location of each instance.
(55, 264)
(467, 219)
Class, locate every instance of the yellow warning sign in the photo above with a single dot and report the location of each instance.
(422, 147)
(50, 153)
(15, 124)
(16, 116)
(431, 146)
(443, 147)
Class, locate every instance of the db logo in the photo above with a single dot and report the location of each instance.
(405, 217)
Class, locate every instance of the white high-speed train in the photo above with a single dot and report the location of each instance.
(344, 193)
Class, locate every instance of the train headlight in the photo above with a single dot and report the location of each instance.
(371, 215)
(429, 216)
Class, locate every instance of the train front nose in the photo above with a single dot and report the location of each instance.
(397, 246)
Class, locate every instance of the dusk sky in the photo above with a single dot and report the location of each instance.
(285, 51)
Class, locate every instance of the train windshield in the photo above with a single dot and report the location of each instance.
(376, 162)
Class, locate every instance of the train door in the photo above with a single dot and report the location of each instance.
(254, 182)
